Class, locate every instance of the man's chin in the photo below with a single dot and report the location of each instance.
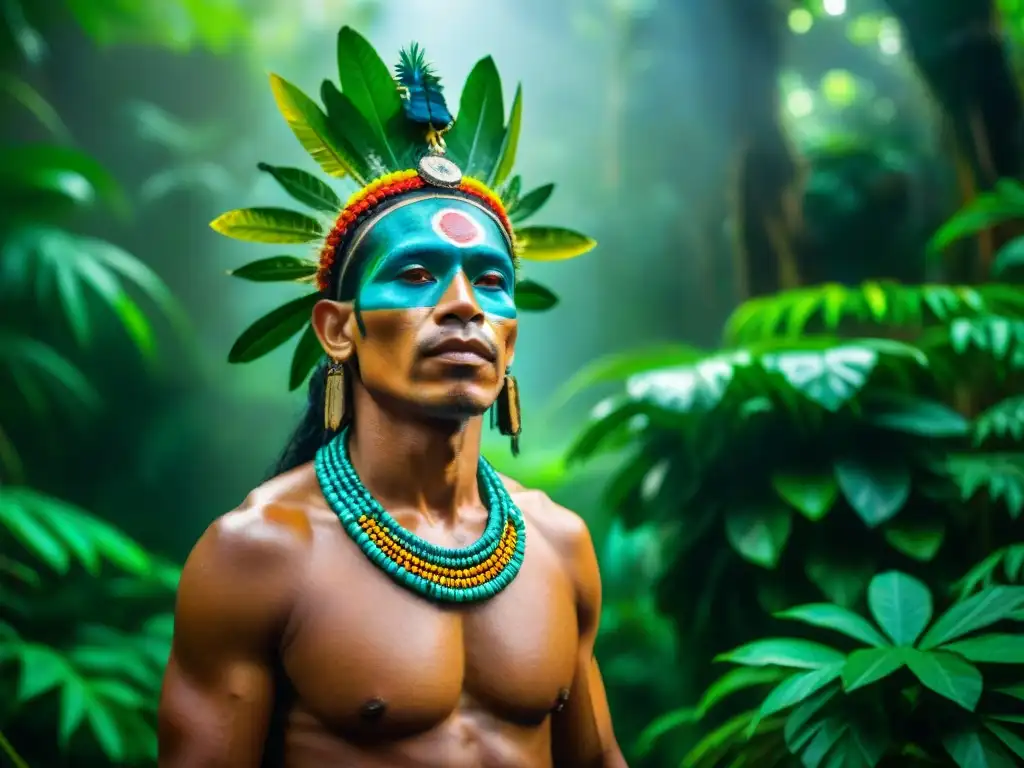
(459, 403)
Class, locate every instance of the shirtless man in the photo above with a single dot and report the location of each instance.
(306, 637)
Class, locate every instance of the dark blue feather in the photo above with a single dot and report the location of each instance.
(423, 96)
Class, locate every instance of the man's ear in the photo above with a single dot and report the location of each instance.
(334, 323)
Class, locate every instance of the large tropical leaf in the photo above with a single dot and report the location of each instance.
(268, 225)
(313, 130)
(366, 81)
(278, 269)
(58, 266)
(531, 296)
(510, 142)
(524, 207)
(552, 243)
(59, 534)
(305, 187)
(57, 172)
(988, 209)
(273, 329)
(828, 306)
(475, 140)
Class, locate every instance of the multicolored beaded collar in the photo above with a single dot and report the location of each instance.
(440, 574)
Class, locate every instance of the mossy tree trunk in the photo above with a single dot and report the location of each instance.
(768, 177)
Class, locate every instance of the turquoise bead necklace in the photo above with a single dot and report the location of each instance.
(467, 574)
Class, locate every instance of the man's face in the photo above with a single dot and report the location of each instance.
(434, 325)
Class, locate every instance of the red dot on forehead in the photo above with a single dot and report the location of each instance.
(458, 227)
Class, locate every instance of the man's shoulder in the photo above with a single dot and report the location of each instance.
(564, 529)
(276, 522)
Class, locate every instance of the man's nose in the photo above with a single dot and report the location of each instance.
(458, 302)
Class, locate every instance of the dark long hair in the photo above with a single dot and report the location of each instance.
(310, 433)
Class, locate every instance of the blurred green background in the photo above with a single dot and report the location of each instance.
(784, 390)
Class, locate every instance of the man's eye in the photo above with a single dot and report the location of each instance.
(417, 275)
(490, 280)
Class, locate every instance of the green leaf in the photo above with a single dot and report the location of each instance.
(759, 534)
(975, 749)
(990, 649)
(977, 612)
(74, 699)
(783, 652)
(31, 532)
(277, 269)
(841, 579)
(365, 80)
(357, 135)
(1009, 257)
(984, 212)
(530, 203)
(733, 681)
(104, 727)
(919, 540)
(509, 143)
(1003, 420)
(876, 489)
(268, 225)
(552, 243)
(1014, 742)
(305, 188)
(57, 173)
(915, 416)
(475, 140)
(947, 674)
(837, 618)
(311, 128)
(1000, 475)
(870, 665)
(901, 605)
(307, 354)
(273, 329)
(811, 494)
(534, 297)
(829, 377)
(798, 688)
(42, 669)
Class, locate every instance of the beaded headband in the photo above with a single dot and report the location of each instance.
(391, 135)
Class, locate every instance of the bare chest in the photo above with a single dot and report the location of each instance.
(365, 655)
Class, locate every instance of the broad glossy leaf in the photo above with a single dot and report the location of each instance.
(530, 203)
(990, 649)
(307, 354)
(74, 699)
(474, 142)
(870, 665)
(736, 680)
(534, 297)
(42, 669)
(804, 721)
(977, 612)
(862, 743)
(811, 494)
(915, 416)
(829, 377)
(837, 618)
(759, 534)
(365, 80)
(798, 688)
(273, 329)
(107, 733)
(510, 141)
(876, 488)
(841, 579)
(277, 269)
(304, 187)
(947, 674)
(552, 243)
(919, 540)
(901, 605)
(311, 128)
(268, 225)
(973, 748)
(783, 652)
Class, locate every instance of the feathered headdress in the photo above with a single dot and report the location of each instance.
(389, 135)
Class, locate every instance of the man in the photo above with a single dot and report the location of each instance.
(389, 600)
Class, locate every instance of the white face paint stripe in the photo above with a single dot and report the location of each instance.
(459, 230)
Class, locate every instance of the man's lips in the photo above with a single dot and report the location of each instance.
(458, 349)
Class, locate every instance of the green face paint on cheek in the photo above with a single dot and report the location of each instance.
(414, 252)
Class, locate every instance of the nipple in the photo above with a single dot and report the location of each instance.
(561, 701)
(373, 709)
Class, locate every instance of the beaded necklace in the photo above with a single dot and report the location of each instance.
(467, 574)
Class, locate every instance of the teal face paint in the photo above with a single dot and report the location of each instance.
(439, 238)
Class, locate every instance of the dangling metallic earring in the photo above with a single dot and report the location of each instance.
(334, 396)
(508, 418)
